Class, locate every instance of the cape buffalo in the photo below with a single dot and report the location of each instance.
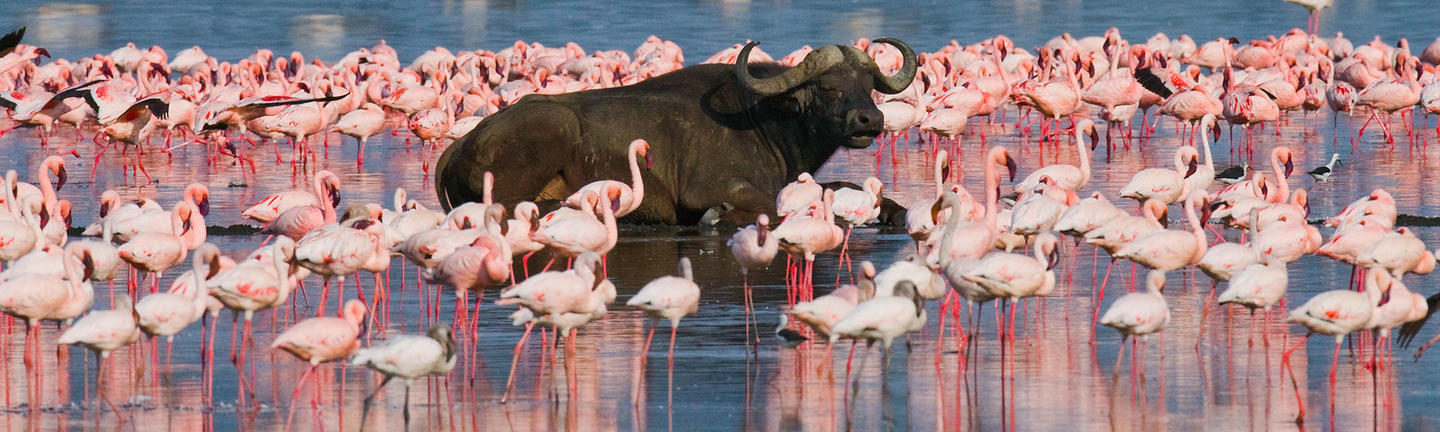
(722, 136)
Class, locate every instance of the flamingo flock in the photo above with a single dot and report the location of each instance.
(965, 248)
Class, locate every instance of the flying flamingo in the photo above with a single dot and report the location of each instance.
(103, 332)
(753, 247)
(319, 340)
(131, 124)
(408, 357)
(632, 194)
(669, 297)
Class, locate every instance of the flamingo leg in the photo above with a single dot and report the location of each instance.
(296, 394)
(510, 382)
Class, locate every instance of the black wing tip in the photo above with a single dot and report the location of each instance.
(1152, 82)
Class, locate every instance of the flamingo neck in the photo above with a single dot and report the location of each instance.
(939, 179)
(1282, 189)
(1084, 158)
(1197, 228)
(992, 196)
(637, 185)
(47, 189)
(1205, 141)
(612, 234)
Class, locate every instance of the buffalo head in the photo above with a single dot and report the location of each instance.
(830, 90)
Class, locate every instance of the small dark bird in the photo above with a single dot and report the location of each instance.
(788, 338)
(1322, 173)
(1233, 174)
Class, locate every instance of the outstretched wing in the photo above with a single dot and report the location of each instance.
(274, 101)
(1410, 329)
(1152, 82)
(10, 41)
(11, 99)
(80, 91)
(154, 102)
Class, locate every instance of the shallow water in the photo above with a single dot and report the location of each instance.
(1053, 379)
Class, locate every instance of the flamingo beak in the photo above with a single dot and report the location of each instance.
(60, 177)
(204, 205)
(1191, 171)
(935, 211)
(42, 51)
(104, 209)
(945, 173)
(1052, 259)
(761, 232)
(1010, 165)
(1094, 138)
(1289, 166)
(334, 197)
(185, 226)
(44, 215)
(89, 263)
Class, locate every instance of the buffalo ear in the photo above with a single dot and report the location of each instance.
(787, 103)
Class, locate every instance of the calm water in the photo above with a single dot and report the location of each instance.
(1053, 379)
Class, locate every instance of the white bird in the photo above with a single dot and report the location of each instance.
(408, 357)
(883, 318)
(669, 297)
(1139, 313)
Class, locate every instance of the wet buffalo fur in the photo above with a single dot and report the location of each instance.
(715, 144)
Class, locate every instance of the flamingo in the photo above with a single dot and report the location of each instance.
(319, 340)
(1038, 212)
(977, 237)
(630, 195)
(1139, 313)
(574, 236)
(408, 357)
(103, 332)
(809, 234)
(325, 185)
(1087, 215)
(298, 221)
(1398, 252)
(1312, 24)
(552, 293)
(1204, 174)
(1066, 176)
(519, 230)
(1334, 313)
(1171, 249)
(564, 324)
(753, 247)
(262, 281)
(797, 195)
(1259, 285)
(362, 124)
(918, 221)
(340, 251)
(669, 297)
(856, 207)
(882, 318)
(1169, 186)
(166, 314)
(131, 123)
(156, 252)
(823, 312)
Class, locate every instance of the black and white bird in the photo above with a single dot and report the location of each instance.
(1234, 173)
(788, 338)
(1322, 173)
(409, 357)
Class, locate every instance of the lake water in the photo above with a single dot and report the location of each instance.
(1053, 378)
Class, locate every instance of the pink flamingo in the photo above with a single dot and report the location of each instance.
(564, 324)
(362, 124)
(1398, 252)
(1164, 184)
(519, 231)
(1087, 215)
(554, 293)
(103, 332)
(972, 240)
(319, 340)
(574, 236)
(1389, 96)
(918, 220)
(1172, 249)
(260, 282)
(1139, 313)
(41, 108)
(823, 312)
(297, 221)
(166, 314)
(882, 318)
(632, 194)
(156, 252)
(1334, 313)
(753, 247)
(341, 250)
(1066, 176)
(34, 296)
(797, 196)
(131, 124)
(809, 234)
(669, 297)
(322, 187)
(855, 208)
